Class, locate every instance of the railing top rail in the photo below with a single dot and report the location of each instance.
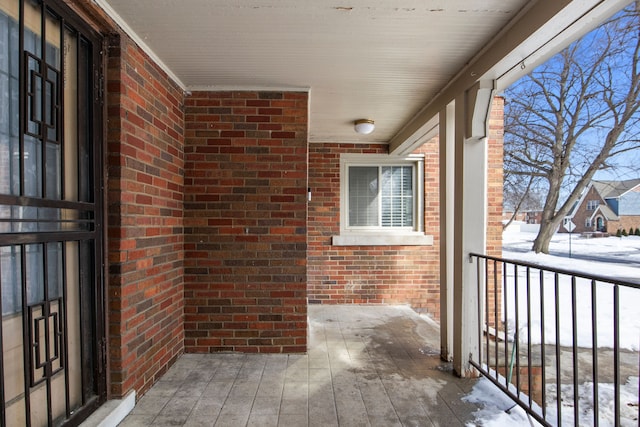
(595, 277)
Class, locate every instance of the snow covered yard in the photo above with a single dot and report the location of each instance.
(613, 257)
(499, 411)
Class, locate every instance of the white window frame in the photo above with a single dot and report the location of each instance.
(592, 205)
(379, 235)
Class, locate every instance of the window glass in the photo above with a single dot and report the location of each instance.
(34, 273)
(397, 196)
(54, 270)
(9, 91)
(363, 196)
(11, 279)
(381, 196)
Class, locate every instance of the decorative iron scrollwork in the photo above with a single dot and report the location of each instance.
(43, 99)
(47, 335)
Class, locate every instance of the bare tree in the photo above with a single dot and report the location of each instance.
(569, 117)
(520, 194)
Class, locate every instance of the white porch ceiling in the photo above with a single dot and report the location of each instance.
(378, 59)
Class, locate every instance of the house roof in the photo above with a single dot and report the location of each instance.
(398, 62)
(615, 189)
(606, 211)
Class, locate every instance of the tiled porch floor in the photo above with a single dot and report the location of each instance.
(366, 366)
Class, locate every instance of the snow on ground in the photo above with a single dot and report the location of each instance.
(628, 406)
(614, 257)
(611, 257)
(500, 411)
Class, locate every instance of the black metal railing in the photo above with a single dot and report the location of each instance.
(551, 340)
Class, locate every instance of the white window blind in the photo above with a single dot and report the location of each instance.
(381, 196)
(381, 201)
(397, 196)
(363, 196)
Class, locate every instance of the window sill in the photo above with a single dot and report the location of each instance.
(383, 240)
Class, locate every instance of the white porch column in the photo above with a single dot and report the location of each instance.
(469, 218)
(447, 157)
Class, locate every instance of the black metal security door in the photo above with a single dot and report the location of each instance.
(52, 357)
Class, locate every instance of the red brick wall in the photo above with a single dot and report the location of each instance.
(495, 177)
(387, 274)
(208, 224)
(582, 214)
(368, 274)
(145, 202)
(245, 222)
(626, 223)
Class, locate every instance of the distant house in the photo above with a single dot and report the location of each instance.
(606, 206)
(528, 217)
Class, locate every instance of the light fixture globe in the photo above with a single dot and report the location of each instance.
(364, 126)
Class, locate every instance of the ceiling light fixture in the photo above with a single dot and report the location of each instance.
(364, 126)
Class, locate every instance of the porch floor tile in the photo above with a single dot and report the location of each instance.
(366, 366)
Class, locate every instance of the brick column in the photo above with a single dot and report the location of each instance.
(145, 191)
(246, 222)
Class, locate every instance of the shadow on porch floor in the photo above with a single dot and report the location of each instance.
(366, 366)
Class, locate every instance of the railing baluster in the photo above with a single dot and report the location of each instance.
(558, 365)
(496, 323)
(479, 292)
(506, 324)
(543, 356)
(516, 340)
(574, 315)
(594, 353)
(616, 352)
(486, 308)
(529, 378)
(561, 278)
